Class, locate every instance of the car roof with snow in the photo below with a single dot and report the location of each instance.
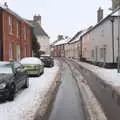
(30, 60)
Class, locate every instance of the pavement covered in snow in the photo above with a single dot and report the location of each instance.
(110, 76)
(27, 101)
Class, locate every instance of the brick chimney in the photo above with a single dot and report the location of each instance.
(37, 18)
(99, 15)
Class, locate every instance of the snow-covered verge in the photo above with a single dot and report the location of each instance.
(29, 101)
(92, 108)
(91, 104)
(105, 85)
(110, 76)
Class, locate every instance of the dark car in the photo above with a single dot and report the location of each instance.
(13, 77)
(47, 60)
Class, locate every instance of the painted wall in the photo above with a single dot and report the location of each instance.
(87, 46)
(97, 44)
(44, 44)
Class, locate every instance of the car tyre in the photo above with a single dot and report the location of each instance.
(26, 83)
(11, 93)
(51, 65)
(43, 71)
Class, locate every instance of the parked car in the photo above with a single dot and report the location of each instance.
(33, 65)
(13, 77)
(47, 60)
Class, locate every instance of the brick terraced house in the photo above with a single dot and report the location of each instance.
(15, 35)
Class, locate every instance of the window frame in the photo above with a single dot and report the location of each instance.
(10, 25)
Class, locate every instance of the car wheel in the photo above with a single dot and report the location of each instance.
(11, 93)
(51, 65)
(43, 71)
(26, 83)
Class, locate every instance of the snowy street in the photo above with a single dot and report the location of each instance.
(74, 100)
(99, 88)
(68, 103)
(28, 101)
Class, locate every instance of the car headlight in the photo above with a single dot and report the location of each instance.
(2, 85)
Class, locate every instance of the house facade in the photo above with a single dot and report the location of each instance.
(59, 47)
(100, 44)
(40, 34)
(75, 45)
(86, 46)
(15, 36)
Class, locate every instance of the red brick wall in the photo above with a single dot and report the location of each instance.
(13, 39)
(1, 46)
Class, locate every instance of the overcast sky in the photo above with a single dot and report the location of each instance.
(60, 16)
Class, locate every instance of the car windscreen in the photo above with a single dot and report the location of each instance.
(5, 69)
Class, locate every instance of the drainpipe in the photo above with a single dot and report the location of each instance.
(118, 59)
(112, 21)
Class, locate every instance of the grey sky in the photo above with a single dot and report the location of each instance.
(60, 16)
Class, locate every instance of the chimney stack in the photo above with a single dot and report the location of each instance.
(37, 18)
(99, 15)
(6, 5)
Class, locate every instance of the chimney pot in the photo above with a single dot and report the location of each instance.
(6, 5)
(37, 19)
(99, 15)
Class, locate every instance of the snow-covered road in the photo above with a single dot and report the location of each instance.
(27, 101)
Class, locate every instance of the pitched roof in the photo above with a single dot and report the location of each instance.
(63, 41)
(112, 14)
(76, 37)
(14, 14)
(38, 30)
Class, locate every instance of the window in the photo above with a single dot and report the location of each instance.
(25, 51)
(102, 32)
(18, 52)
(17, 29)
(10, 25)
(25, 33)
(10, 51)
(92, 53)
(101, 52)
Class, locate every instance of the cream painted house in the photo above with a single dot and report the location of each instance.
(40, 34)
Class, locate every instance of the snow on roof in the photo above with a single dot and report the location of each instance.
(28, 101)
(30, 60)
(38, 29)
(77, 36)
(63, 41)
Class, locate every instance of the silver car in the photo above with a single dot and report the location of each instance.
(33, 65)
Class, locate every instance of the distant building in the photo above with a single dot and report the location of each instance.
(40, 34)
(58, 47)
(15, 35)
